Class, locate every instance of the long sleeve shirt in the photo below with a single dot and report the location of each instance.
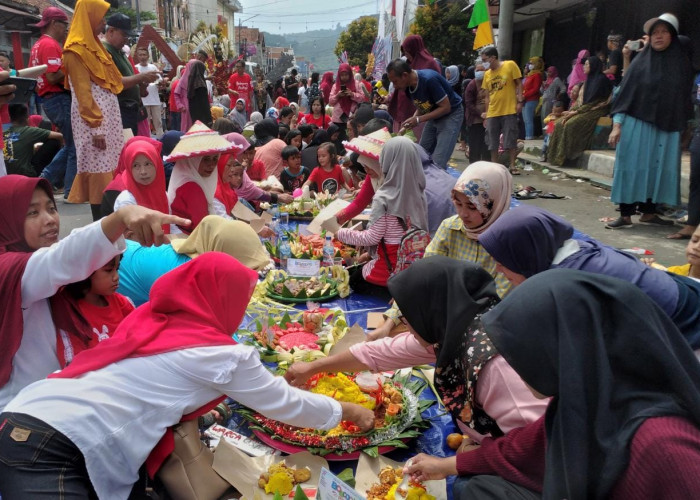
(117, 414)
(500, 391)
(664, 460)
(357, 97)
(82, 88)
(72, 259)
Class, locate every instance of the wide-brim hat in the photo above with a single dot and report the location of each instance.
(666, 17)
(200, 140)
(369, 145)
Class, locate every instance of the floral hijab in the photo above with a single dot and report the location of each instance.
(487, 186)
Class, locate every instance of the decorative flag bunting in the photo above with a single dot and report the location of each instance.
(482, 20)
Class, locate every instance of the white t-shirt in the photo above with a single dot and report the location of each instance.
(152, 98)
(125, 198)
(116, 415)
(72, 259)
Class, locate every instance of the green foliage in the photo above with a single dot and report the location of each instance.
(445, 33)
(357, 40)
(145, 15)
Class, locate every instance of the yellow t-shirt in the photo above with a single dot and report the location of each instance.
(501, 86)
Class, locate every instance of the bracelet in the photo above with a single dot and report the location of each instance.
(417, 120)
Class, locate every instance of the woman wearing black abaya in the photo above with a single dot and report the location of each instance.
(649, 115)
(572, 132)
(198, 95)
(623, 421)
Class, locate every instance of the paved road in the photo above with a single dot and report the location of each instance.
(586, 206)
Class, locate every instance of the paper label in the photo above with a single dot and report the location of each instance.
(332, 488)
(303, 267)
(243, 443)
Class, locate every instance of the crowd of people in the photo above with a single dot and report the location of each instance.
(571, 367)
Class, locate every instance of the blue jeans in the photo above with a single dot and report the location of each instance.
(440, 136)
(529, 118)
(37, 461)
(65, 163)
(174, 120)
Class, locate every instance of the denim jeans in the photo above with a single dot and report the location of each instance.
(440, 136)
(529, 118)
(65, 163)
(174, 120)
(38, 462)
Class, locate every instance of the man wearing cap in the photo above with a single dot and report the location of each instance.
(613, 65)
(116, 36)
(55, 98)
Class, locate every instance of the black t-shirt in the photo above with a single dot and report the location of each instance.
(292, 92)
(615, 59)
(290, 182)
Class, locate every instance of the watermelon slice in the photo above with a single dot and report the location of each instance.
(304, 340)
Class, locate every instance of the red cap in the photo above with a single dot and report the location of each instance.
(51, 14)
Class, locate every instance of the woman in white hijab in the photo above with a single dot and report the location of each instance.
(193, 181)
(398, 205)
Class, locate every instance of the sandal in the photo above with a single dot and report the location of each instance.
(658, 221)
(678, 236)
(551, 196)
(514, 171)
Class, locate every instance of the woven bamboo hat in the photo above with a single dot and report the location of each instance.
(200, 140)
(369, 145)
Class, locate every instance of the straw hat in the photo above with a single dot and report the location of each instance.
(200, 140)
(369, 145)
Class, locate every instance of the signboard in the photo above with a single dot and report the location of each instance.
(303, 267)
(332, 488)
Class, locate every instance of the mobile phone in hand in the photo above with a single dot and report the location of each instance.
(24, 91)
(343, 88)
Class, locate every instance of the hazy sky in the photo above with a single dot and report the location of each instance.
(292, 16)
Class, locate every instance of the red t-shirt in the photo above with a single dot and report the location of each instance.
(257, 172)
(327, 181)
(171, 100)
(102, 320)
(244, 86)
(322, 121)
(46, 51)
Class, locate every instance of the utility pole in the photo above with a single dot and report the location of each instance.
(505, 29)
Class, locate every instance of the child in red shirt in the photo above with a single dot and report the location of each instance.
(254, 168)
(100, 305)
(328, 175)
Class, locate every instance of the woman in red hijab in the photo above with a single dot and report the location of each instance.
(400, 106)
(326, 85)
(172, 358)
(34, 264)
(225, 197)
(344, 97)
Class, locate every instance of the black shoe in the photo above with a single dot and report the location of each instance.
(619, 223)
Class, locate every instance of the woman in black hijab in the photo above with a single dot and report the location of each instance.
(198, 94)
(572, 132)
(650, 113)
(475, 384)
(625, 387)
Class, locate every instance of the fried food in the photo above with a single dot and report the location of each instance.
(282, 478)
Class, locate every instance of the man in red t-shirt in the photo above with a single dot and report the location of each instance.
(54, 98)
(240, 86)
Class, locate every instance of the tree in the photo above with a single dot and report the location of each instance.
(357, 40)
(445, 33)
(145, 15)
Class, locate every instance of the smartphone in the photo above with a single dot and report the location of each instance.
(634, 45)
(343, 88)
(24, 91)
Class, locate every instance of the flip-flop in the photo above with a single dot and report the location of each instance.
(678, 236)
(514, 171)
(657, 221)
(524, 195)
(551, 196)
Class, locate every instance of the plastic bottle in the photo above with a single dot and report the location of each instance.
(328, 252)
(285, 252)
(274, 225)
